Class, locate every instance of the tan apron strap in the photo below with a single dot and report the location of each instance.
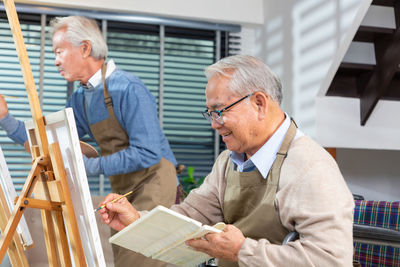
(282, 153)
(107, 97)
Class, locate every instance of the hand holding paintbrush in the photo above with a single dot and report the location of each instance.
(118, 215)
(114, 200)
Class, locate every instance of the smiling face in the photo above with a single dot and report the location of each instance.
(242, 125)
(69, 59)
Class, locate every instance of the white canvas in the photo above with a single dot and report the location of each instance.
(10, 194)
(61, 128)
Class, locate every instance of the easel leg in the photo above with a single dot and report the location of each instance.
(17, 254)
(52, 221)
(50, 238)
(61, 237)
(68, 208)
(16, 215)
(10, 231)
(56, 238)
(15, 251)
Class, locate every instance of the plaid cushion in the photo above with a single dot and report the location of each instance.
(382, 214)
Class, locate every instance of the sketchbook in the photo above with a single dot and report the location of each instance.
(161, 234)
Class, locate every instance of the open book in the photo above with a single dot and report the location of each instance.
(161, 234)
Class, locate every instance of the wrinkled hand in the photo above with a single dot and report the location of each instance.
(118, 214)
(3, 107)
(225, 245)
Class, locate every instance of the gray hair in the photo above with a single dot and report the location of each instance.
(79, 29)
(248, 74)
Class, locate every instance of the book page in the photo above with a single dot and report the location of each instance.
(161, 234)
(154, 231)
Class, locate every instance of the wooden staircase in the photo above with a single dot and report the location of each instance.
(371, 82)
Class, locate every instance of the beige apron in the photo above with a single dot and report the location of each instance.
(249, 200)
(152, 186)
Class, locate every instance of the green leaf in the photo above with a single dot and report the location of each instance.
(190, 172)
(189, 180)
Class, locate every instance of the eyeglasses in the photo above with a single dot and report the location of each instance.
(215, 115)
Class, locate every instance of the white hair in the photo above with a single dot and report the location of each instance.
(79, 29)
(247, 75)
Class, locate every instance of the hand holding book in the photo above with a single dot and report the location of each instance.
(228, 242)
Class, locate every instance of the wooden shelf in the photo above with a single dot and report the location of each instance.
(370, 33)
(355, 68)
(383, 3)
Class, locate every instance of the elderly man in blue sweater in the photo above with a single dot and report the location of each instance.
(114, 108)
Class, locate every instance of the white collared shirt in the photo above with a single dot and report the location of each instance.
(265, 156)
(95, 80)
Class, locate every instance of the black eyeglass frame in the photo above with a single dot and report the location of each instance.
(208, 115)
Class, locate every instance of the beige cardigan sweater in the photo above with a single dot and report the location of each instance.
(312, 199)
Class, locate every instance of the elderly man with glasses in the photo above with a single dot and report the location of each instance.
(272, 180)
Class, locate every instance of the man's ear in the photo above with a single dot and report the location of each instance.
(261, 102)
(86, 48)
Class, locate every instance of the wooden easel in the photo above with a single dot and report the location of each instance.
(16, 250)
(47, 178)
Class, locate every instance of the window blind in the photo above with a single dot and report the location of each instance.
(18, 161)
(187, 53)
(169, 59)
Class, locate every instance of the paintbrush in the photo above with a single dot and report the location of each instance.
(112, 201)
(10, 96)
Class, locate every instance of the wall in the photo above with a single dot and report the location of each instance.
(226, 11)
(375, 174)
(301, 40)
(381, 131)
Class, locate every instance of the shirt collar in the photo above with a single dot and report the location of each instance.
(265, 156)
(95, 80)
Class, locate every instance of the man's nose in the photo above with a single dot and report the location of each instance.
(56, 61)
(215, 125)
